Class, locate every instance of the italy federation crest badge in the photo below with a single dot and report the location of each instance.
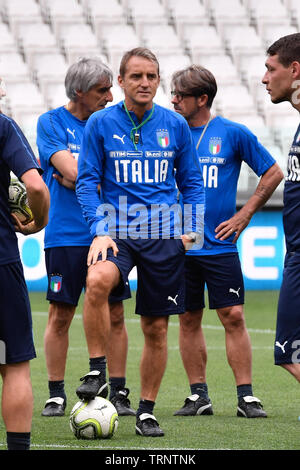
(55, 282)
(215, 144)
(163, 138)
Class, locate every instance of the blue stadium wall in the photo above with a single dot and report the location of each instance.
(261, 247)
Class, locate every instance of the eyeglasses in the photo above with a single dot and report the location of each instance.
(179, 95)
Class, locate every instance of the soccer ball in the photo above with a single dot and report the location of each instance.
(18, 202)
(94, 419)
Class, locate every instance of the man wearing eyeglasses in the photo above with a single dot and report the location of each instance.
(221, 146)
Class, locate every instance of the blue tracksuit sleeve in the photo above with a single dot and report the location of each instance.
(90, 173)
(190, 184)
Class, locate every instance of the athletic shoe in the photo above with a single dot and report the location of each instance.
(94, 384)
(122, 403)
(54, 407)
(250, 407)
(195, 405)
(146, 425)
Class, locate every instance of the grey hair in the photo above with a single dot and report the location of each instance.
(84, 74)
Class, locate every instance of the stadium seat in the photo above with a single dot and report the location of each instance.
(13, 68)
(48, 68)
(161, 40)
(99, 12)
(278, 154)
(55, 95)
(117, 93)
(270, 32)
(19, 11)
(35, 38)
(227, 14)
(252, 69)
(233, 98)
(144, 12)
(27, 120)
(112, 46)
(59, 13)
(7, 41)
(293, 9)
(22, 97)
(223, 69)
(162, 98)
(253, 65)
(279, 116)
(124, 3)
(77, 40)
(183, 15)
(262, 13)
(196, 37)
(168, 64)
(243, 41)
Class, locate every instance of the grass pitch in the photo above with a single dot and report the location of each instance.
(278, 390)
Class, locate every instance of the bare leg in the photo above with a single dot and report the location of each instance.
(17, 397)
(154, 356)
(101, 278)
(238, 345)
(192, 346)
(117, 356)
(294, 369)
(56, 339)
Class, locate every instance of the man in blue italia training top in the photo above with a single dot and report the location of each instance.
(67, 237)
(282, 83)
(138, 151)
(221, 146)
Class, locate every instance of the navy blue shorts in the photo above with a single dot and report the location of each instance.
(66, 270)
(287, 341)
(16, 339)
(160, 274)
(222, 274)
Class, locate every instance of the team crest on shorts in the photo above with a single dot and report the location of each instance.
(55, 282)
(215, 144)
(163, 138)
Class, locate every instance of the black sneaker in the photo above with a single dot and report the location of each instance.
(195, 405)
(146, 425)
(94, 384)
(250, 407)
(122, 403)
(54, 407)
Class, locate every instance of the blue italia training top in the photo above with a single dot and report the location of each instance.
(223, 148)
(60, 130)
(16, 156)
(138, 186)
(291, 197)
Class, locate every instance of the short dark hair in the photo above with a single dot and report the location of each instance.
(287, 48)
(195, 80)
(137, 52)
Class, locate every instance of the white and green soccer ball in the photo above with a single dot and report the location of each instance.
(94, 419)
(18, 202)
